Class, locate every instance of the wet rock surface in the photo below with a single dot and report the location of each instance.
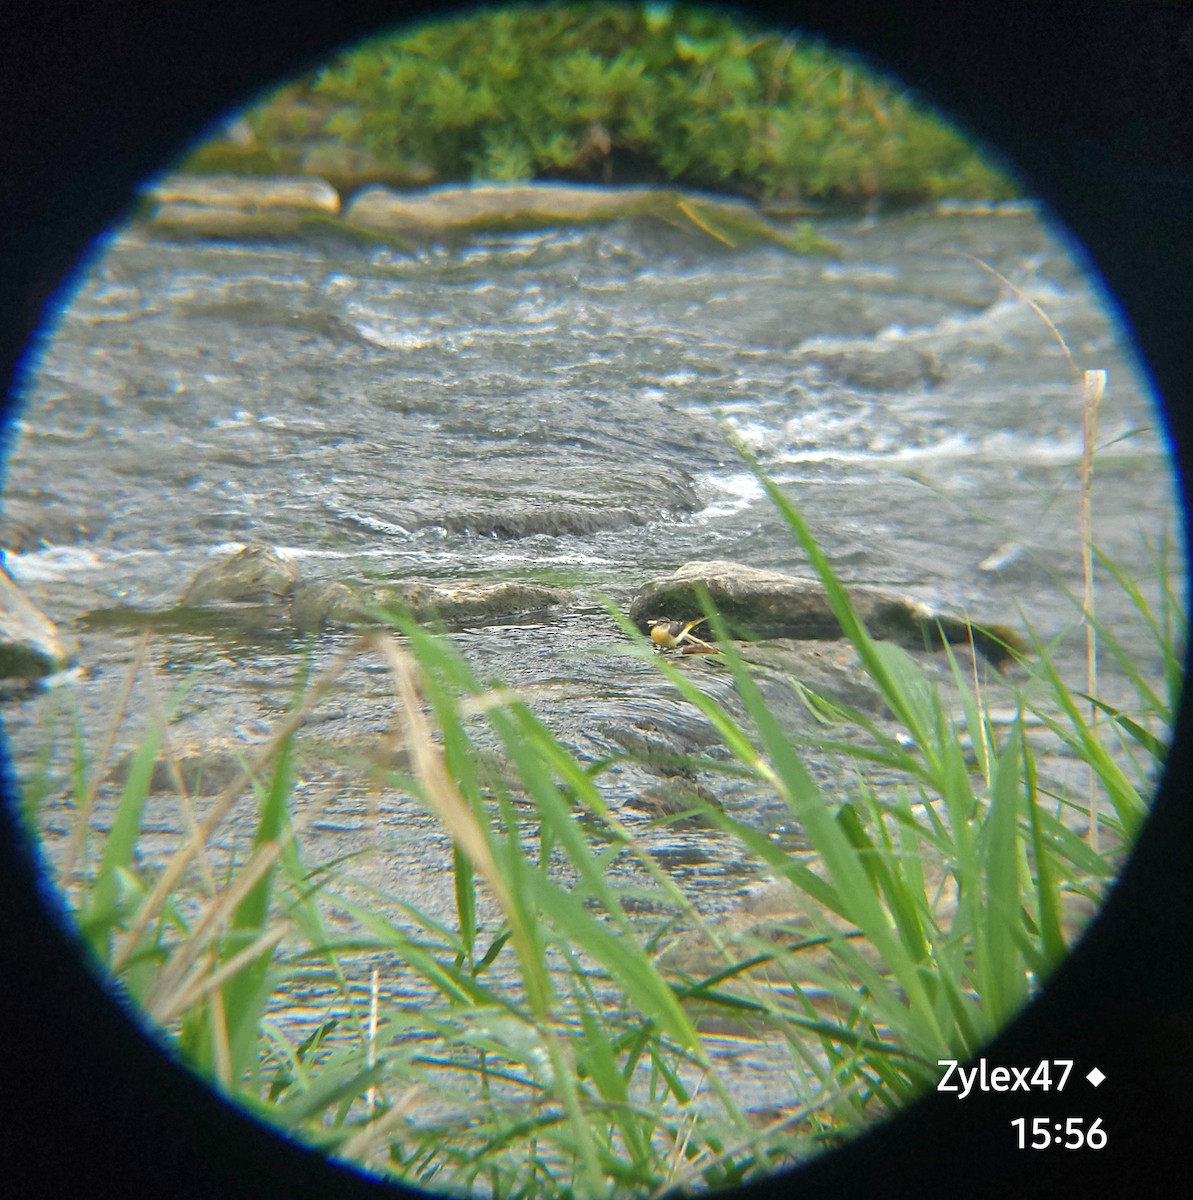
(246, 206)
(893, 366)
(760, 604)
(242, 206)
(460, 207)
(255, 574)
(26, 526)
(318, 605)
(255, 590)
(523, 206)
(31, 645)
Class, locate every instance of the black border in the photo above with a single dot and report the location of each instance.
(1093, 103)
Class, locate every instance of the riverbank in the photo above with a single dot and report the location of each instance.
(683, 98)
(255, 207)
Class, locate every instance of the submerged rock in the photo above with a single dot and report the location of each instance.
(759, 605)
(873, 366)
(26, 527)
(589, 500)
(31, 645)
(256, 592)
(191, 770)
(255, 575)
(250, 623)
(678, 795)
(316, 605)
(473, 601)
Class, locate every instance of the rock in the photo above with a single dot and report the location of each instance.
(244, 620)
(535, 205)
(248, 205)
(26, 527)
(831, 670)
(31, 646)
(200, 772)
(876, 366)
(448, 208)
(242, 206)
(677, 795)
(198, 220)
(463, 602)
(771, 912)
(244, 193)
(316, 605)
(256, 575)
(249, 591)
(759, 605)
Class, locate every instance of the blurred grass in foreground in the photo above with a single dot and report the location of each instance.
(555, 1051)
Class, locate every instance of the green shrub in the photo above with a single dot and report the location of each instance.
(619, 93)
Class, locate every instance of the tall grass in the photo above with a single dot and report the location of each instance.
(556, 1045)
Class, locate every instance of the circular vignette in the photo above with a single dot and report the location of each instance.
(1093, 104)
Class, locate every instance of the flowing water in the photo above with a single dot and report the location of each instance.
(550, 407)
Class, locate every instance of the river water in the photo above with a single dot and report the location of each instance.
(550, 407)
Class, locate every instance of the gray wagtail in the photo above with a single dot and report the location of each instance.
(675, 635)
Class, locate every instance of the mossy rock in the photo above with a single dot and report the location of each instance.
(317, 605)
(758, 605)
(731, 223)
(468, 602)
(255, 574)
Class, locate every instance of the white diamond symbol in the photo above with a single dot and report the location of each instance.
(1095, 1077)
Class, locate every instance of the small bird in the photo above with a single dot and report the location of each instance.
(675, 635)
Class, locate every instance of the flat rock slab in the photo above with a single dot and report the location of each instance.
(759, 605)
(247, 193)
(210, 221)
(456, 207)
(235, 206)
(255, 588)
(252, 206)
(316, 605)
(534, 205)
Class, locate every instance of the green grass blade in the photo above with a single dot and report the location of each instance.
(1052, 940)
(825, 834)
(1003, 981)
(100, 914)
(244, 996)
